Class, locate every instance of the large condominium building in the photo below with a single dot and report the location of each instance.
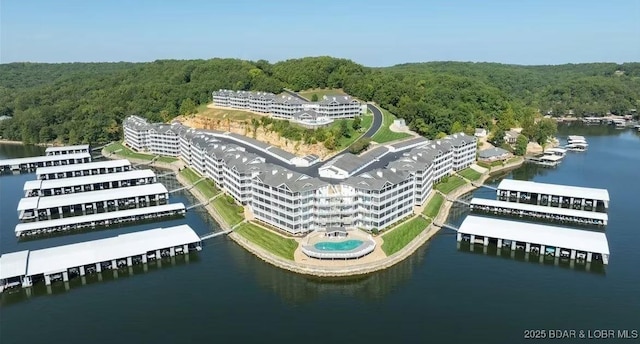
(298, 203)
(287, 106)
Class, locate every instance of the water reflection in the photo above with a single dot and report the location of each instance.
(519, 255)
(297, 289)
(17, 295)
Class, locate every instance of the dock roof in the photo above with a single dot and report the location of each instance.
(60, 258)
(567, 238)
(66, 148)
(29, 226)
(13, 264)
(540, 208)
(44, 158)
(90, 197)
(85, 180)
(554, 189)
(81, 167)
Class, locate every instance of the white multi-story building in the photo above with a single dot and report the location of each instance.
(286, 106)
(295, 202)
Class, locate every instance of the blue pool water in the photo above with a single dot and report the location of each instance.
(338, 246)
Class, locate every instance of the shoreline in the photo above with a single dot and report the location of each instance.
(331, 271)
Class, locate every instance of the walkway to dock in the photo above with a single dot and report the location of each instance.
(445, 225)
(188, 186)
(204, 203)
(216, 234)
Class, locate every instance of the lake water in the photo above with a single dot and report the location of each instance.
(440, 294)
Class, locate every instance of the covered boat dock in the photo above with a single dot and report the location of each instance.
(51, 187)
(100, 219)
(88, 169)
(32, 163)
(540, 212)
(64, 262)
(553, 195)
(67, 150)
(42, 208)
(560, 242)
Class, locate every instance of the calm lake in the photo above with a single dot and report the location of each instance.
(441, 294)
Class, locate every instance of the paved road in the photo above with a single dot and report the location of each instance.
(377, 120)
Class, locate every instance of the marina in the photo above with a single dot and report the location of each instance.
(99, 220)
(67, 150)
(32, 163)
(560, 242)
(576, 143)
(546, 160)
(553, 195)
(563, 215)
(87, 169)
(52, 187)
(43, 208)
(62, 263)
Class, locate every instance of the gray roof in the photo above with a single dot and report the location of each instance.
(281, 153)
(374, 154)
(306, 114)
(417, 140)
(492, 152)
(376, 179)
(287, 99)
(345, 99)
(460, 139)
(243, 161)
(347, 162)
(275, 176)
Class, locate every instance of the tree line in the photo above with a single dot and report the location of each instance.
(86, 102)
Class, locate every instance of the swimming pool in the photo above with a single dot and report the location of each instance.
(338, 246)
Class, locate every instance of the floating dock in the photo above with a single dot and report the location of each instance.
(546, 240)
(540, 212)
(64, 262)
(52, 187)
(553, 195)
(32, 163)
(88, 169)
(548, 160)
(67, 150)
(98, 220)
(42, 208)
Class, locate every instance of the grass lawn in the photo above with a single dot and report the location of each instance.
(167, 159)
(191, 175)
(207, 186)
(271, 242)
(470, 174)
(322, 92)
(344, 142)
(512, 160)
(489, 164)
(385, 134)
(451, 184)
(231, 213)
(224, 114)
(399, 237)
(120, 150)
(433, 207)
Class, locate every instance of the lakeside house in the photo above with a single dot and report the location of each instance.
(494, 154)
(480, 132)
(511, 136)
(279, 194)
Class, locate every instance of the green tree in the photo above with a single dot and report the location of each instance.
(330, 143)
(456, 127)
(344, 129)
(441, 135)
(497, 138)
(360, 145)
(314, 97)
(545, 129)
(521, 145)
(356, 123)
(187, 107)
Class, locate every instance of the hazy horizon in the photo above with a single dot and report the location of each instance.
(372, 33)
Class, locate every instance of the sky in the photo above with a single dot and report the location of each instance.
(374, 33)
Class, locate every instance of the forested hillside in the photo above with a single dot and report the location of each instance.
(86, 102)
